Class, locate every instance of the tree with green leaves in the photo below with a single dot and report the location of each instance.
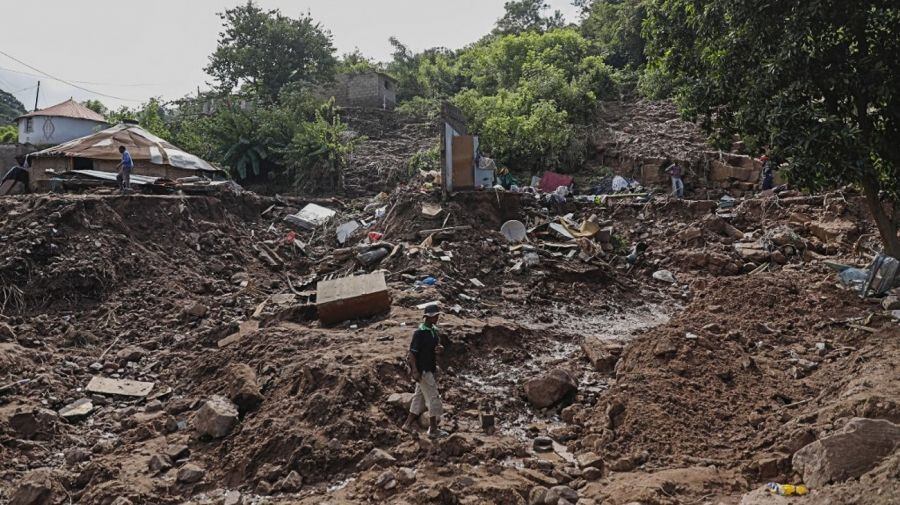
(8, 135)
(150, 116)
(815, 83)
(527, 15)
(263, 51)
(615, 26)
(10, 108)
(96, 106)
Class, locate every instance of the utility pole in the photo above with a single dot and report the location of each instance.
(36, 95)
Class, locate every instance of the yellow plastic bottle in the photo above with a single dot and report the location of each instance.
(787, 489)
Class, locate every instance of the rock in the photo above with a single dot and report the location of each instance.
(752, 252)
(240, 277)
(122, 501)
(623, 464)
(153, 406)
(550, 388)
(689, 234)
(542, 444)
(233, 498)
(216, 418)
(848, 453)
(291, 483)
(455, 445)
(891, 302)
(557, 494)
(37, 487)
(406, 475)
(6, 332)
(159, 463)
(269, 472)
(243, 388)
(770, 466)
(665, 276)
(832, 230)
(401, 400)
(130, 353)
(387, 480)
(602, 354)
(77, 410)
(34, 423)
(537, 495)
(177, 451)
(197, 310)
(376, 457)
(592, 473)
(589, 459)
(76, 455)
(190, 473)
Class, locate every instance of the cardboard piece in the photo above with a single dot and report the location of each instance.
(431, 209)
(352, 297)
(121, 387)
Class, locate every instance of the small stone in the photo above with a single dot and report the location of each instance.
(153, 406)
(233, 498)
(95, 366)
(550, 388)
(406, 475)
(558, 493)
(291, 483)
(891, 302)
(178, 451)
(197, 310)
(217, 417)
(190, 473)
(542, 444)
(592, 473)
(387, 480)
(589, 459)
(130, 353)
(159, 463)
(243, 388)
(537, 495)
(77, 455)
(77, 410)
(376, 457)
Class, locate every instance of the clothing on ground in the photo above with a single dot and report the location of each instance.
(423, 345)
(426, 397)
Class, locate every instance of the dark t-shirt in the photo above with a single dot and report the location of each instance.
(424, 341)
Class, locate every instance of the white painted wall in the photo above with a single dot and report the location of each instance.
(64, 129)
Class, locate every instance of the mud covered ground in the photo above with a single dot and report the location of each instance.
(697, 391)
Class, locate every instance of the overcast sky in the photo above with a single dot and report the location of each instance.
(134, 50)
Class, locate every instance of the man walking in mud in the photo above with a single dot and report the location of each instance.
(422, 361)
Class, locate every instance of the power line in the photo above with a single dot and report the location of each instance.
(67, 82)
(145, 85)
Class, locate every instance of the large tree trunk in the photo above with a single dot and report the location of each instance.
(887, 225)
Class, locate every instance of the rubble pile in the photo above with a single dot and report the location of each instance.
(242, 349)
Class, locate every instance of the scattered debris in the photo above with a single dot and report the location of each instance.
(119, 387)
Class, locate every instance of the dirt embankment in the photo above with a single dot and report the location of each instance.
(697, 391)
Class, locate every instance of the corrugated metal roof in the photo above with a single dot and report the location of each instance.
(69, 108)
(143, 145)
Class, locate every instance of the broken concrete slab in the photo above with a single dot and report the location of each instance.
(346, 230)
(854, 450)
(121, 387)
(352, 298)
(311, 216)
(77, 410)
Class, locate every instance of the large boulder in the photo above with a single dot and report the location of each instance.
(217, 417)
(243, 388)
(550, 388)
(848, 453)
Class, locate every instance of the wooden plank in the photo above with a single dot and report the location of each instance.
(463, 152)
(121, 387)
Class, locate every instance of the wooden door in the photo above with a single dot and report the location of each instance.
(463, 153)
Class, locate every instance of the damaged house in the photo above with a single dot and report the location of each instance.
(97, 155)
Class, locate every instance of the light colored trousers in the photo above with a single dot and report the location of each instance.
(426, 397)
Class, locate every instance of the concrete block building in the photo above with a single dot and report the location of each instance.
(372, 89)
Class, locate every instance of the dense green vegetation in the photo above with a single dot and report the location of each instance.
(10, 109)
(815, 83)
